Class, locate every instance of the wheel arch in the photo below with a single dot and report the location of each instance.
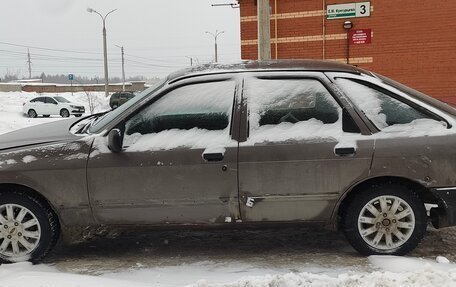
(5, 187)
(422, 191)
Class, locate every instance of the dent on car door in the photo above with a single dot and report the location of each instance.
(412, 139)
(178, 164)
(297, 160)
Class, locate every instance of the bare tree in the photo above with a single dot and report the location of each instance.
(93, 101)
(11, 76)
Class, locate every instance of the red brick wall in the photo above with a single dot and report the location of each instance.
(414, 41)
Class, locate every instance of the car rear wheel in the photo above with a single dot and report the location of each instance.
(29, 227)
(385, 219)
(64, 113)
(32, 113)
(78, 115)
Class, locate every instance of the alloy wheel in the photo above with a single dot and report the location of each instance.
(386, 222)
(20, 231)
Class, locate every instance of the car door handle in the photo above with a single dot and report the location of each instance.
(213, 156)
(345, 151)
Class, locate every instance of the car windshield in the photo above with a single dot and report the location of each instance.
(98, 125)
(61, 100)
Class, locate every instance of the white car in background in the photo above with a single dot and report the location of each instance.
(57, 105)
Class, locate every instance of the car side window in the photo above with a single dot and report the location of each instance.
(380, 108)
(201, 106)
(291, 109)
(38, 100)
(50, 101)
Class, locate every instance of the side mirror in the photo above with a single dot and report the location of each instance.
(115, 140)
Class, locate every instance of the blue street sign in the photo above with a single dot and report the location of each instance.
(70, 77)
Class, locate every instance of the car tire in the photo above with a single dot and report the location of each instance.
(25, 214)
(385, 219)
(46, 116)
(32, 113)
(78, 115)
(64, 113)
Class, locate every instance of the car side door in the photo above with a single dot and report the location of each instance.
(179, 163)
(39, 105)
(305, 148)
(51, 106)
(410, 135)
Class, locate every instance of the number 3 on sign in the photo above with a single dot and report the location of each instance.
(363, 9)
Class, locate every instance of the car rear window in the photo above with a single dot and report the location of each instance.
(380, 108)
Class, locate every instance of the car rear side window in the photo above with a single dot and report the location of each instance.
(291, 108)
(380, 108)
(38, 100)
(50, 101)
(205, 106)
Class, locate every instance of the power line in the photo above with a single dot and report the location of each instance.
(50, 49)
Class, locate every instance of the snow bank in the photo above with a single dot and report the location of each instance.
(27, 275)
(385, 271)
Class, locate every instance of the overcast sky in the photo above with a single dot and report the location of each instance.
(158, 35)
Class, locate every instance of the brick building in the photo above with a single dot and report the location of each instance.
(413, 41)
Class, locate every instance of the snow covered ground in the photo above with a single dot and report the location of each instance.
(12, 118)
(285, 257)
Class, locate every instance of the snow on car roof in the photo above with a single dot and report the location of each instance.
(278, 65)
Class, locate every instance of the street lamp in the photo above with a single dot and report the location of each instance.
(123, 66)
(348, 25)
(105, 51)
(215, 35)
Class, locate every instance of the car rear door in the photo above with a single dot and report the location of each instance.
(305, 148)
(39, 105)
(411, 136)
(179, 164)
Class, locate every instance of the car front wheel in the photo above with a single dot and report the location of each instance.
(384, 219)
(29, 227)
(64, 113)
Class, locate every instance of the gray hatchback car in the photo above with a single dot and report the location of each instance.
(239, 145)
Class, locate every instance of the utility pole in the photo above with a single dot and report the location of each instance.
(191, 60)
(264, 30)
(215, 35)
(29, 61)
(123, 67)
(105, 49)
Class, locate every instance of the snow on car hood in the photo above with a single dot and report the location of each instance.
(39, 134)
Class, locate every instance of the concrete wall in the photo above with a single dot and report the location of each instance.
(53, 88)
(6, 87)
